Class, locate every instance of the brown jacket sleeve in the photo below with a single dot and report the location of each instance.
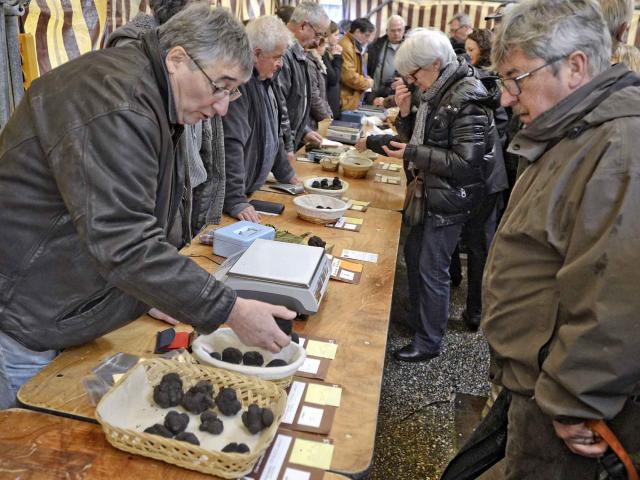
(593, 364)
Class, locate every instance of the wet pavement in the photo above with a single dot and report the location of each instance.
(428, 408)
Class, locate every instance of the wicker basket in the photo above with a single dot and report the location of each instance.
(121, 421)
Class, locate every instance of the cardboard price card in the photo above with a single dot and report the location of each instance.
(346, 271)
(347, 223)
(379, 178)
(294, 456)
(391, 167)
(320, 352)
(311, 406)
(359, 206)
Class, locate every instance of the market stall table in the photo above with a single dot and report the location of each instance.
(357, 316)
(35, 445)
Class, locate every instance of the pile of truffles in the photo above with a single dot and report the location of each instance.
(316, 241)
(199, 400)
(336, 184)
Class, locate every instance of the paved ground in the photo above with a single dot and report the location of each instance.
(417, 429)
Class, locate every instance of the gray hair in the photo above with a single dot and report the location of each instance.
(309, 12)
(463, 19)
(268, 33)
(553, 29)
(208, 35)
(395, 18)
(421, 49)
(616, 13)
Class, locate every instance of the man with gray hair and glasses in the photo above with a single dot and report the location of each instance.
(308, 24)
(90, 186)
(560, 300)
(460, 27)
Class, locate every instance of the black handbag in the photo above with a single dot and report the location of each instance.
(415, 202)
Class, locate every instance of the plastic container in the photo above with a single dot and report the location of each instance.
(222, 338)
(237, 237)
(307, 208)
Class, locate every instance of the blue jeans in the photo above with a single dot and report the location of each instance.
(427, 252)
(17, 365)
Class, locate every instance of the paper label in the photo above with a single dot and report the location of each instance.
(276, 458)
(345, 274)
(312, 454)
(357, 255)
(294, 474)
(350, 226)
(353, 220)
(293, 400)
(323, 394)
(310, 416)
(321, 349)
(310, 365)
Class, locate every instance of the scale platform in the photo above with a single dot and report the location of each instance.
(280, 273)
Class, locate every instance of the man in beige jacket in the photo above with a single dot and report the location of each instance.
(355, 80)
(560, 303)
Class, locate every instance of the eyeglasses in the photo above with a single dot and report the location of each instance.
(217, 91)
(317, 33)
(411, 77)
(512, 85)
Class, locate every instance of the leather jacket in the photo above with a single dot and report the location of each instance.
(90, 185)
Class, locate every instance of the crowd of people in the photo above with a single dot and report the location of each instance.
(521, 138)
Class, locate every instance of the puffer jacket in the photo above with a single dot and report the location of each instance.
(456, 155)
(354, 83)
(90, 182)
(560, 288)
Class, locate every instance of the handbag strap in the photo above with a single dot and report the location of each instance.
(610, 438)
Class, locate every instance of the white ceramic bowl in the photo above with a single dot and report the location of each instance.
(222, 338)
(307, 182)
(306, 206)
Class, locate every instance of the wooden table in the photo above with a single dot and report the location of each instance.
(357, 316)
(36, 445)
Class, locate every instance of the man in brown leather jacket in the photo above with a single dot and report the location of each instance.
(560, 299)
(90, 180)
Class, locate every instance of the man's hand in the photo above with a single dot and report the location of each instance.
(370, 82)
(580, 439)
(295, 181)
(291, 156)
(253, 322)
(403, 99)
(249, 214)
(398, 153)
(378, 102)
(313, 137)
(157, 314)
(361, 144)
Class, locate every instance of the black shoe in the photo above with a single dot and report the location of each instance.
(472, 322)
(410, 353)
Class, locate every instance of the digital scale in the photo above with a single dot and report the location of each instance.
(345, 132)
(293, 275)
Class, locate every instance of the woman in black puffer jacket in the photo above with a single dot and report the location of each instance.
(448, 141)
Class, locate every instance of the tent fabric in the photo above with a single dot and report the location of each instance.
(65, 29)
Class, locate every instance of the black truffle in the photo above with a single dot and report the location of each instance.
(227, 402)
(316, 241)
(276, 362)
(211, 423)
(285, 325)
(336, 181)
(253, 359)
(176, 422)
(187, 437)
(199, 397)
(232, 355)
(168, 393)
(315, 184)
(158, 429)
(256, 418)
(324, 183)
(234, 447)
(216, 355)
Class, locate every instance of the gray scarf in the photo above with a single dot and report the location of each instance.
(417, 137)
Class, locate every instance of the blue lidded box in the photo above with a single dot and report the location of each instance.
(237, 237)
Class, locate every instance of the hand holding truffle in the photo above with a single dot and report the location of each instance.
(253, 322)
